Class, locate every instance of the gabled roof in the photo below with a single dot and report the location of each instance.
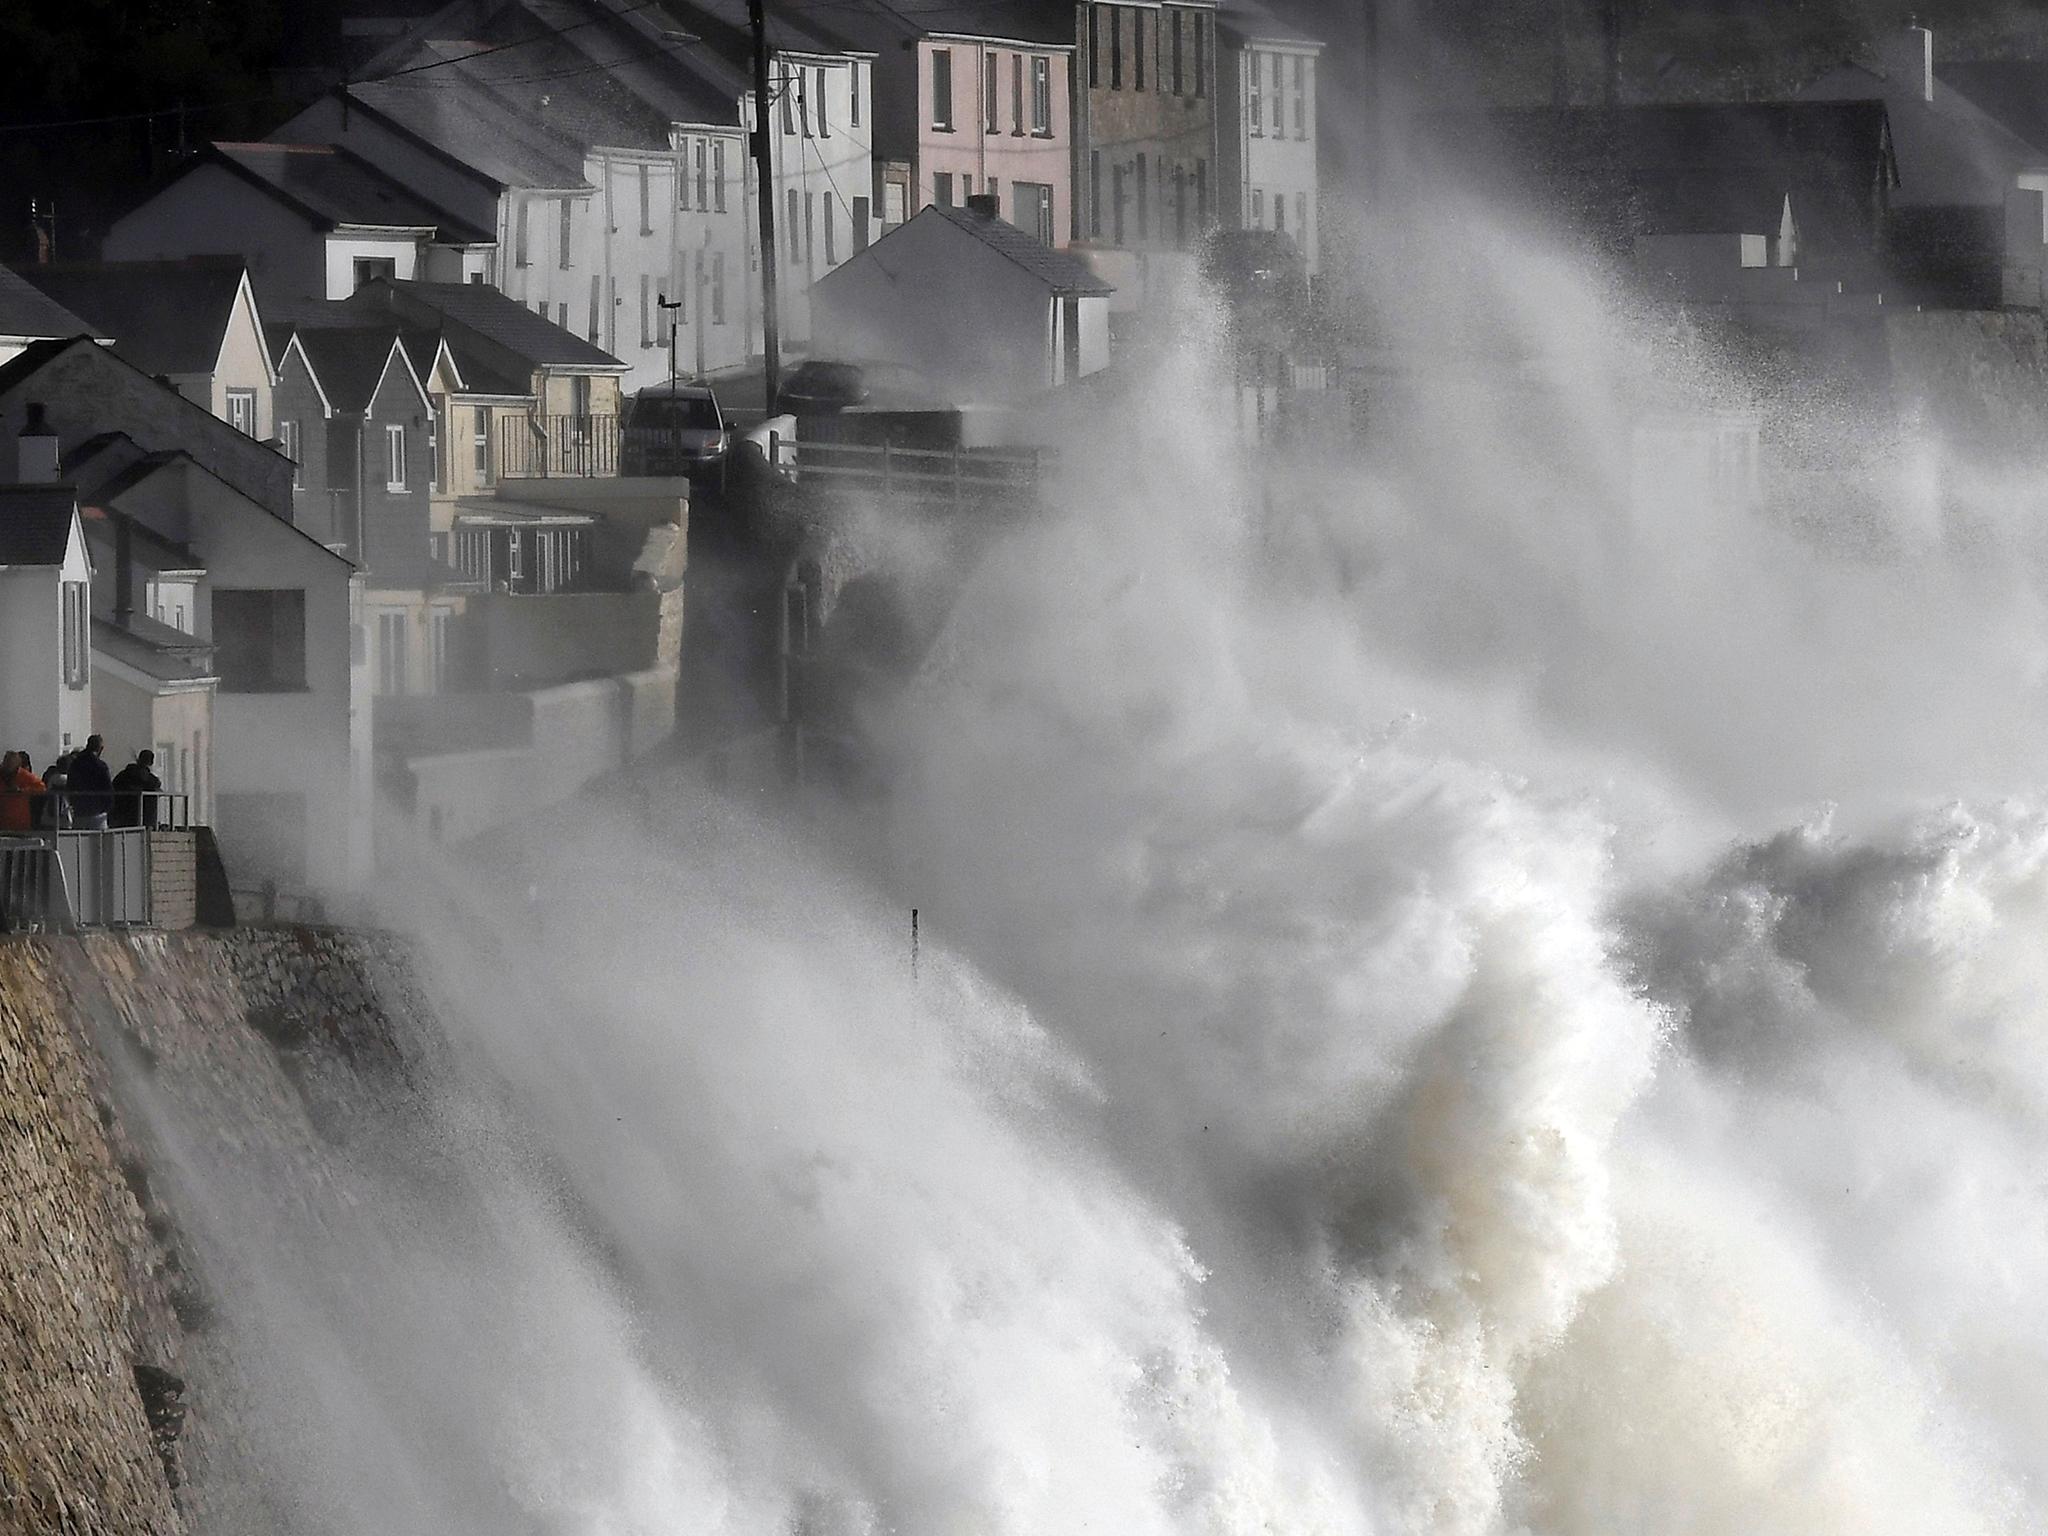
(334, 188)
(26, 311)
(486, 314)
(1950, 151)
(35, 524)
(349, 365)
(165, 317)
(462, 121)
(2012, 92)
(154, 649)
(1248, 21)
(1061, 272)
(1711, 202)
(877, 25)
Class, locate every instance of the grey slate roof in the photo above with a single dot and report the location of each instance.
(35, 523)
(349, 363)
(1251, 22)
(1950, 151)
(876, 25)
(333, 187)
(486, 313)
(1063, 273)
(2014, 92)
(165, 317)
(25, 310)
(468, 123)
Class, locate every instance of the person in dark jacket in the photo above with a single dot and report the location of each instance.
(135, 791)
(90, 786)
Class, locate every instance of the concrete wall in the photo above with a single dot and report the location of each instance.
(31, 677)
(536, 641)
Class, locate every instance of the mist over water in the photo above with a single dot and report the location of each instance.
(1481, 992)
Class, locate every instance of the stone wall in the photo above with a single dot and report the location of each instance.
(118, 1407)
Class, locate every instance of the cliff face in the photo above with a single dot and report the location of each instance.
(118, 1407)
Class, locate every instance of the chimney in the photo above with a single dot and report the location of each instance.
(36, 450)
(982, 205)
(1908, 60)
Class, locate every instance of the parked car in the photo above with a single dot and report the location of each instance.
(675, 429)
(821, 386)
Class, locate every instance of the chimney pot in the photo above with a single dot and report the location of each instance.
(982, 204)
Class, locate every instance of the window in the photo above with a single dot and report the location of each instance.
(703, 179)
(519, 236)
(437, 650)
(259, 639)
(1301, 219)
(1276, 95)
(988, 92)
(718, 173)
(717, 288)
(1180, 206)
(567, 216)
(646, 311)
(1116, 49)
(1041, 96)
(1258, 208)
(1116, 203)
(77, 634)
(861, 218)
(1137, 50)
(810, 227)
(391, 629)
(394, 457)
(942, 188)
(561, 312)
(1094, 47)
(1144, 200)
(288, 442)
(795, 207)
(995, 191)
(1300, 98)
(646, 210)
(480, 443)
(596, 304)
(790, 87)
(942, 89)
(853, 80)
(831, 236)
(370, 268)
(1201, 55)
(823, 101)
(242, 410)
(1280, 212)
(442, 444)
(1017, 93)
(1095, 193)
(1031, 205)
(1254, 101)
(1178, 83)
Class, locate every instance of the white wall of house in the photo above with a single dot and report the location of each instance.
(822, 154)
(301, 742)
(173, 720)
(1269, 111)
(343, 251)
(38, 709)
(936, 298)
(1030, 139)
(244, 363)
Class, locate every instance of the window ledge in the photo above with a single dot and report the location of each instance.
(268, 689)
(394, 488)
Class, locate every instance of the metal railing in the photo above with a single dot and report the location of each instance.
(918, 474)
(559, 447)
(161, 810)
(51, 881)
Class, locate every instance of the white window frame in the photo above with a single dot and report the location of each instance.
(288, 438)
(394, 456)
(241, 405)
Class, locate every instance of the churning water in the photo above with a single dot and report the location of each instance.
(1487, 991)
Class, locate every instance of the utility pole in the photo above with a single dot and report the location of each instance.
(764, 177)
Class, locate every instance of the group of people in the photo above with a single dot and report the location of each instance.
(78, 791)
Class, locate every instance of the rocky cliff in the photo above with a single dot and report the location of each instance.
(118, 1406)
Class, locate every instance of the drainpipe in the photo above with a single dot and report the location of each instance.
(124, 569)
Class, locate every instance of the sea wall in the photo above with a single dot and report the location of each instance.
(116, 1399)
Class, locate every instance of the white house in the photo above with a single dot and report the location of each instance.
(291, 752)
(45, 608)
(313, 221)
(983, 309)
(1266, 80)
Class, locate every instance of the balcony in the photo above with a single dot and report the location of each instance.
(560, 448)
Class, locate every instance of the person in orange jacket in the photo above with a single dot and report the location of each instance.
(18, 790)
